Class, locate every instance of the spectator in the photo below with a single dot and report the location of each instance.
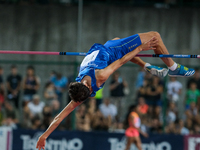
(2, 88)
(156, 126)
(119, 128)
(142, 91)
(2, 98)
(142, 106)
(140, 78)
(117, 88)
(174, 88)
(27, 116)
(91, 107)
(13, 86)
(55, 107)
(31, 83)
(194, 79)
(182, 129)
(1, 79)
(171, 129)
(82, 119)
(47, 117)
(36, 123)
(36, 106)
(172, 113)
(154, 91)
(10, 112)
(108, 109)
(49, 92)
(192, 95)
(101, 123)
(60, 83)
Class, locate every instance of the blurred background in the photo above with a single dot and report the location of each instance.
(34, 88)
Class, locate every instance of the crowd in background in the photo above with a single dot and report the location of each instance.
(158, 114)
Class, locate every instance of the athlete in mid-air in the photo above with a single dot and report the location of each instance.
(102, 60)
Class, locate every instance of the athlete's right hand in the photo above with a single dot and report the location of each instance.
(151, 44)
(41, 143)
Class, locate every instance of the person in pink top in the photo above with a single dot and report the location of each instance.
(133, 132)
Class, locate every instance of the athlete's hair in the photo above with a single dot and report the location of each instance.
(78, 92)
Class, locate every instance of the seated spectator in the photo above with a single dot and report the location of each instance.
(196, 129)
(172, 113)
(82, 119)
(9, 122)
(144, 124)
(13, 86)
(171, 117)
(47, 117)
(10, 112)
(182, 129)
(91, 107)
(194, 79)
(142, 91)
(36, 106)
(189, 125)
(10, 116)
(101, 123)
(156, 126)
(119, 128)
(142, 106)
(108, 109)
(55, 107)
(60, 83)
(31, 84)
(192, 95)
(49, 92)
(2, 98)
(154, 91)
(36, 123)
(171, 129)
(174, 88)
(27, 116)
(140, 78)
(192, 112)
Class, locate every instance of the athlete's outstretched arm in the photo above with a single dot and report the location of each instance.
(57, 120)
(104, 74)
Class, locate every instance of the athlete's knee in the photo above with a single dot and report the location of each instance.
(116, 38)
(155, 33)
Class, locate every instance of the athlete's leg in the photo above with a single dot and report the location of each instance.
(175, 69)
(138, 143)
(160, 49)
(158, 71)
(138, 61)
(130, 140)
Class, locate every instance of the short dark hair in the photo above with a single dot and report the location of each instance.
(13, 67)
(78, 92)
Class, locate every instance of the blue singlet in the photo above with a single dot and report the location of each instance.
(100, 56)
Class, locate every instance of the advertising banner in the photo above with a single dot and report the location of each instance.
(76, 140)
(5, 138)
(192, 142)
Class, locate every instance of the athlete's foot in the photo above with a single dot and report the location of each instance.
(181, 71)
(157, 71)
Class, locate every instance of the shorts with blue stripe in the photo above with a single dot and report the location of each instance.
(118, 48)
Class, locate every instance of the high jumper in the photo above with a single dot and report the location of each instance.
(102, 60)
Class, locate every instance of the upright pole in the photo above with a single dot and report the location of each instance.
(80, 20)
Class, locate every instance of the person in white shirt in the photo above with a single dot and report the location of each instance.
(36, 106)
(174, 88)
(108, 109)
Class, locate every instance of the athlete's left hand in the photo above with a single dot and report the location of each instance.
(151, 44)
(41, 143)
